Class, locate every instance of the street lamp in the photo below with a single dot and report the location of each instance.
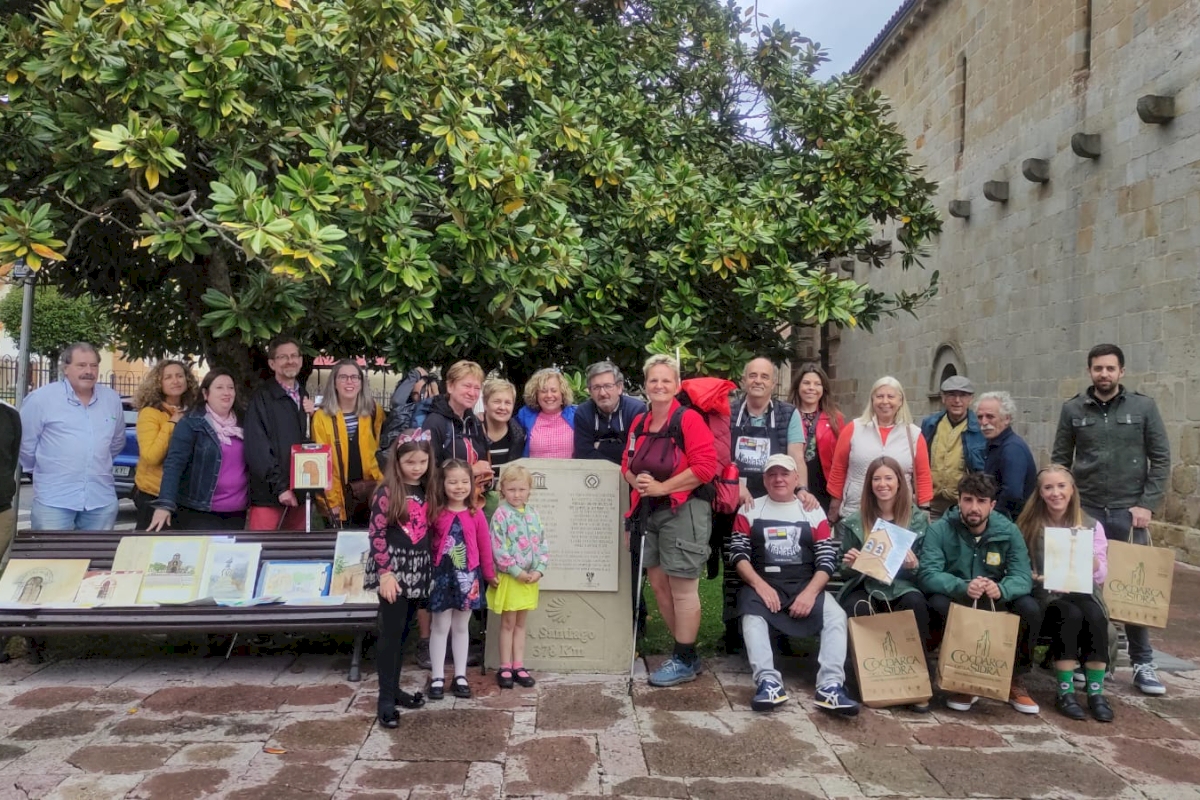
(26, 277)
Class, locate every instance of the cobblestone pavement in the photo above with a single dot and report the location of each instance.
(282, 726)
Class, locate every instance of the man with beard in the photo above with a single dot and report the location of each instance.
(276, 420)
(1009, 459)
(1116, 443)
(602, 423)
(975, 553)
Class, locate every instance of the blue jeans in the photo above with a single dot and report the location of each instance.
(48, 518)
(1117, 523)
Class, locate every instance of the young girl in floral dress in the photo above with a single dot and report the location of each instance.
(462, 562)
(521, 558)
(401, 562)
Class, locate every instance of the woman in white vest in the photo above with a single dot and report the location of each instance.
(885, 429)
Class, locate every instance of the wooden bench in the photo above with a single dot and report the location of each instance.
(99, 547)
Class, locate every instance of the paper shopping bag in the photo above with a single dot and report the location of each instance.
(1138, 588)
(889, 659)
(978, 651)
(1067, 555)
(882, 554)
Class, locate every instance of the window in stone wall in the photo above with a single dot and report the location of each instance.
(947, 362)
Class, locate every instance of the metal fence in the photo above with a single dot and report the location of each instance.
(43, 371)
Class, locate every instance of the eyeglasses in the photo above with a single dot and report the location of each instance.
(602, 387)
(349, 378)
(281, 357)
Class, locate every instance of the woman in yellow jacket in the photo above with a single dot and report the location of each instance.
(349, 420)
(168, 390)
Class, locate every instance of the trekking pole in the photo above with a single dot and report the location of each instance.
(637, 607)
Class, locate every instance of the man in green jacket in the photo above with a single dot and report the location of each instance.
(974, 553)
(1115, 443)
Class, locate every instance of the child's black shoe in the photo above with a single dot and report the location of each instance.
(461, 687)
(523, 677)
(437, 689)
(504, 678)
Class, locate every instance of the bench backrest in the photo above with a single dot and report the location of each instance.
(100, 546)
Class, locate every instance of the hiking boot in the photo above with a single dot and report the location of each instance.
(1068, 706)
(1145, 678)
(673, 672)
(1019, 699)
(961, 702)
(834, 698)
(423, 654)
(769, 696)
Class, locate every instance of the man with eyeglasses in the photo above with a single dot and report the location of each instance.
(276, 420)
(602, 423)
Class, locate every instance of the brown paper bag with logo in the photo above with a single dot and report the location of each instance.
(1138, 588)
(978, 651)
(889, 659)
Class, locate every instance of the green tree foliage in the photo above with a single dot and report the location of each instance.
(58, 321)
(516, 181)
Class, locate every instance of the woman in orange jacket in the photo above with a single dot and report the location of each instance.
(165, 394)
(349, 420)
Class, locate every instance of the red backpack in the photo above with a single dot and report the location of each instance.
(709, 397)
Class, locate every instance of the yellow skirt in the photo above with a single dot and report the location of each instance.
(512, 595)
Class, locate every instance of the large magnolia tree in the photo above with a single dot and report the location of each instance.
(515, 182)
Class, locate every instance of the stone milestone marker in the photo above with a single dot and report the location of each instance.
(584, 618)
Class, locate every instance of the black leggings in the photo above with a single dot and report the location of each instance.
(1077, 628)
(855, 605)
(395, 622)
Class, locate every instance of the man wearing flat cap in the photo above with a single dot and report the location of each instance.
(956, 442)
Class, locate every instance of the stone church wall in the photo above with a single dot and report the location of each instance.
(1108, 250)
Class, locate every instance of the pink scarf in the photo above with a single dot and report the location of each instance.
(226, 428)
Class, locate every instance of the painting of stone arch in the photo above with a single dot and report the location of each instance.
(38, 581)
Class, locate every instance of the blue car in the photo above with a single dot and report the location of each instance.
(125, 463)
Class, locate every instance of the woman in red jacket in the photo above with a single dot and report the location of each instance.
(822, 421)
(675, 523)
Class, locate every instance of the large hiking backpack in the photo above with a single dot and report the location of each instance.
(404, 413)
(709, 397)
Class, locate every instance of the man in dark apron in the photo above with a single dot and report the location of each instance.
(785, 556)
(760, 426)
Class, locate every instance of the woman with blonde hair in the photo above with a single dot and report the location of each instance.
(548, 417)
(506, 437)
(349, 420)
(675, 524)
(166, 393)
(885, 429)
(1076, 622)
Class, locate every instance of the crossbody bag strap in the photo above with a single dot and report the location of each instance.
(337, 450)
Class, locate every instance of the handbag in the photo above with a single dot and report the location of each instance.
(356, 495)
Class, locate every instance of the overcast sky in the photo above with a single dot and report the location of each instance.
(843, 27)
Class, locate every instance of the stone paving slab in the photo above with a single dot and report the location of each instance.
(288, 726)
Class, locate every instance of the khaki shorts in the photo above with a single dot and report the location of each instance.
(678, 542)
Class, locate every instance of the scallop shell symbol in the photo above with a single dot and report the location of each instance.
(558, 610)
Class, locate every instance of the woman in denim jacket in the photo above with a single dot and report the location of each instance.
(204, 476)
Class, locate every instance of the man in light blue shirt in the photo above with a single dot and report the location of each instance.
(71, 430)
